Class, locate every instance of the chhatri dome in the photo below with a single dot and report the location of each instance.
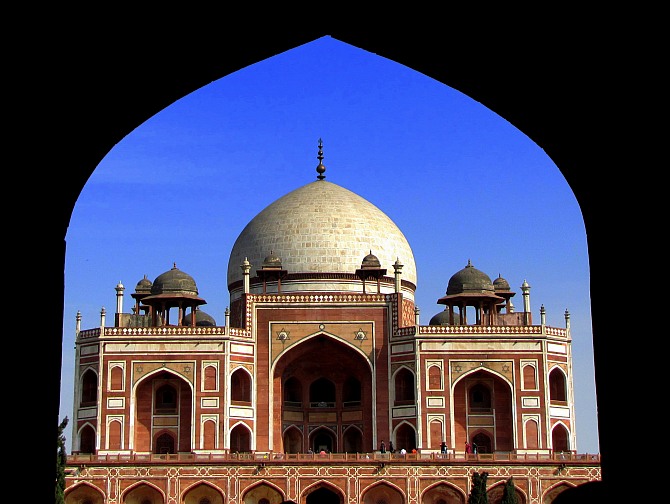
(321, 232)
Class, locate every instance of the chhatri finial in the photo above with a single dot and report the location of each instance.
(320, 167)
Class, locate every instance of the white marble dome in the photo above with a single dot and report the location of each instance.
(321, 227)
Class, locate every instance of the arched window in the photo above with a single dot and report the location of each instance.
(87, 440)
(240, 439)
(351, 392)
(293, 392)
(479, 399)
(166, 400)
(322, 393)
(434, 378)
(560, 438)
(529, 377)
(404, 387)
(116, 378)
(89, 388)
(405, 437)
(165, 444)
(240, 387)
(210, 378)
(557, 386)
(532, 434)
(114, 435)
(352, 440)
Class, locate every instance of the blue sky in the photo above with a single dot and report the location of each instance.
(459, 181)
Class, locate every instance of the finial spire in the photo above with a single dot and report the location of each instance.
(320, 167)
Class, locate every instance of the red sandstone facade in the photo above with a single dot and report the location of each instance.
(318, 362)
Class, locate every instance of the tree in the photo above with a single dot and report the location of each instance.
(509, 494)
(61, 460)
(478, 492)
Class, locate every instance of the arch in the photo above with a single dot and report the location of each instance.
(320, 336)
(165, 442)
(202, 492)
(322, 391)
(323, 438)
(261, 490)
(240, 386)
(560, 437)
(165, 399)
(435, 377)
(482, 441)
(293, 440)
(558, 389)
(116, 378)
(146, 408)
(416, 53)
(351, 391)
(322, 492)
(89, 388)
(479, 398)
(143, 492)
(210, 378)
(436, 431)
(114, 435)
(382, 492)
(352, 439)
(555, 490)
(443, 492)
(467, 422)
(405, 436)
(404, 386)
(496, 491)
(84, 491)
(531, 434)
(87, 438)
(209, 434)
(240, 438)
(292, 392)
(315, 375)
(529, 374)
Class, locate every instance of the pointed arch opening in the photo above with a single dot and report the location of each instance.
(240, 439)
(240, 387)
(405, 437)
(560, 438)
(89, 389)
(558, 390)
(483, 405)
(87, 439)
(323, 381)
(293, 440)
(404, 387)
(163, 405)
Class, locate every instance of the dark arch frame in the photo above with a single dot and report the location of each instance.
(560, 100)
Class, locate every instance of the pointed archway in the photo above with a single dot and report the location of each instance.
(326, 390)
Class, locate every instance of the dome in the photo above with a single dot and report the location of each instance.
(143, 286)
(201, 319)
(370, 261)
(469, 280)
(500, 284)
(442, 318)
(272, 261)
(321, 227)
(174, 282)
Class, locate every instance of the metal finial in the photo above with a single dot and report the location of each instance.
(320, 167)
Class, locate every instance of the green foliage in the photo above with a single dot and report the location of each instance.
(509, 495)
(478, 492)
(61, 460)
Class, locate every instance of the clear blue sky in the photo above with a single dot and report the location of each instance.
(458, 180)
